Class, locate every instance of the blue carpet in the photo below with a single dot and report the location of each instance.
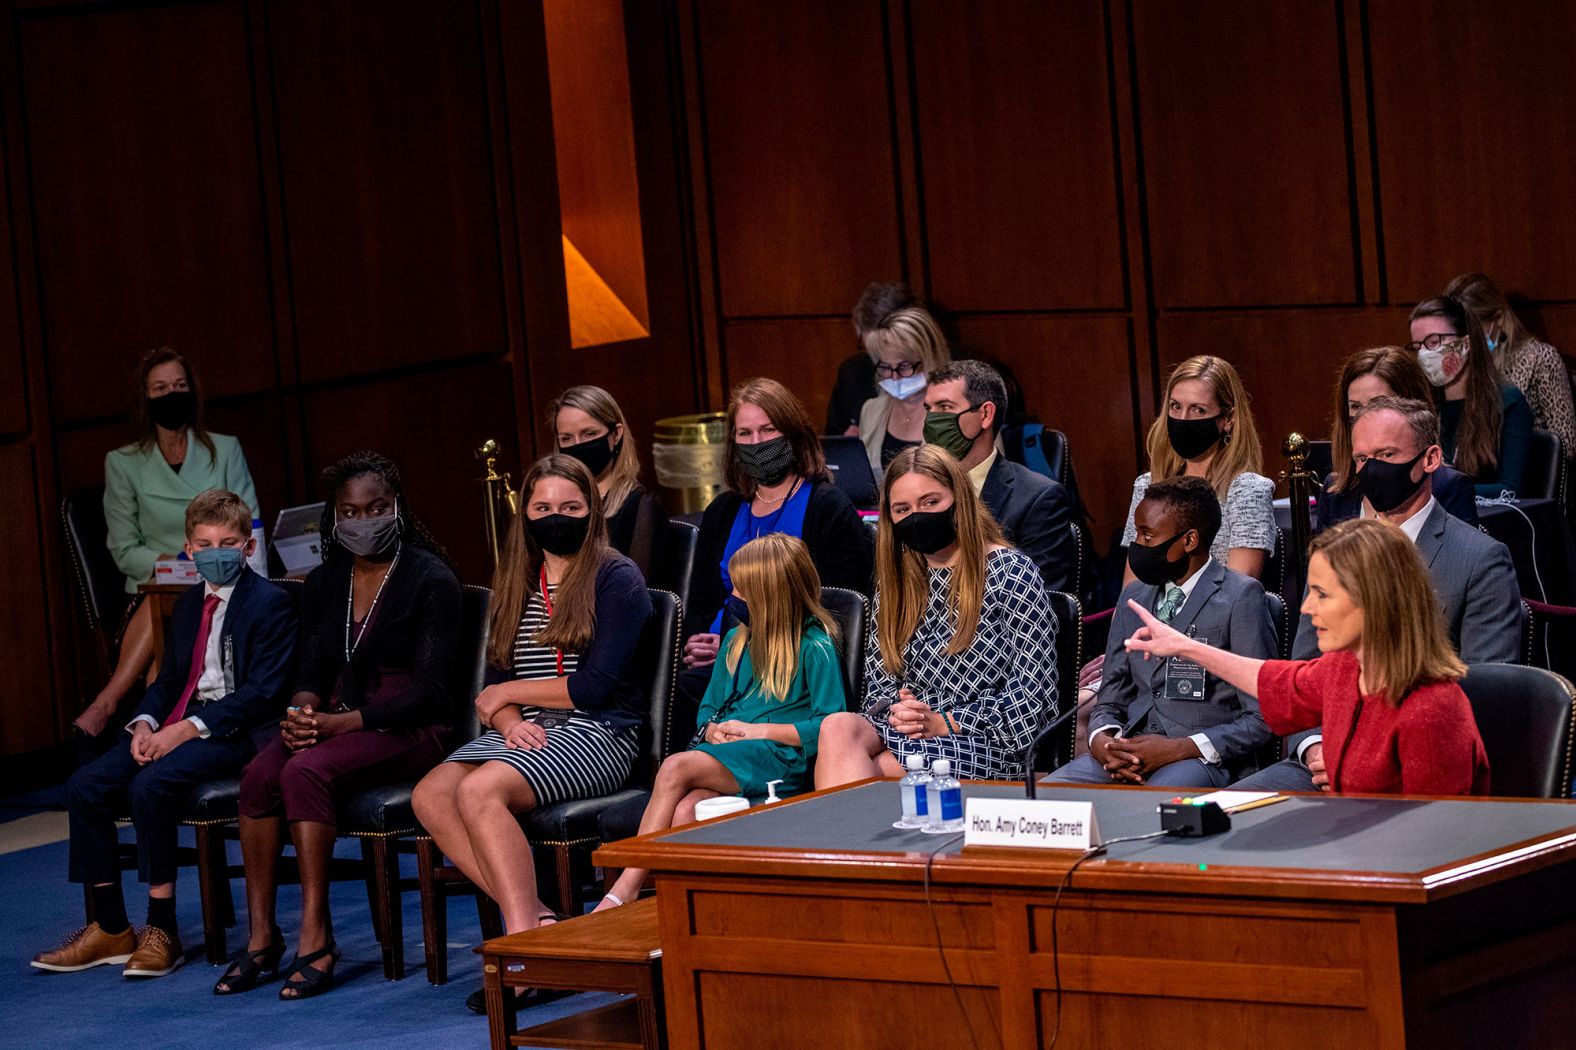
(99, 1008)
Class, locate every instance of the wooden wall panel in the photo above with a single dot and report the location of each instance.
(801, 170)
(1017, 156)
(144, 178)
(1244, 152)
(27, 716)
(1475, 144)
(439, 470)
(388, 189)
(1074, 374)
(802, 354)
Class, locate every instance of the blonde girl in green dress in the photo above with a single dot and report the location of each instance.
(761, 716)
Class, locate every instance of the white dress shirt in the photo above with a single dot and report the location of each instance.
(1205, 748)
(211, 684)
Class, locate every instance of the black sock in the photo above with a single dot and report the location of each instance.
(109, 908)
(161, 913)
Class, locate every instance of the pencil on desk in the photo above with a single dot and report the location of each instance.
(1258, 803)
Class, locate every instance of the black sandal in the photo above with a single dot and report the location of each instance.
(250, 968)
(312, 980)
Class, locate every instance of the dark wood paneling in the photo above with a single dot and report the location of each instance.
(13, 393)
(1289, 360)
(799, 145)
(440, 472)
(1475, 144)
(801, 354)
(27, 717)
(144, 180)
(386, 168)
(1074, 374)
(1245, 162)
(1016, 155)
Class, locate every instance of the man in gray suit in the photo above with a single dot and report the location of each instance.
(1166, 721)
(1395, 444)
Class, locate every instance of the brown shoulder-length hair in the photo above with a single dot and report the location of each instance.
(775, 576)
(142, 424)
(902, 583)
(623, 473)
(790, 418)
(519, 571)
(1477, 435)
(1239, 448)
(1404, 643)
(1399, 371)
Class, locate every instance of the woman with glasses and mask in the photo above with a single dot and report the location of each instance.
(374, 673)
(563, 704)
(1207, 431)
(1526, 362)
(777, 482)
(147, 486)
(1485, 424)
(589, 426)
(961, 658)
(906, 346)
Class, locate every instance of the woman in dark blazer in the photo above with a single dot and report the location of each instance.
(777, 482)
(379, 625)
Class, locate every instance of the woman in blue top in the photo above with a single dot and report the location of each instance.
(563, 706)
(147, 485)
(1485, 424)
(761, 717)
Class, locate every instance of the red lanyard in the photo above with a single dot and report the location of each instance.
(559, 653)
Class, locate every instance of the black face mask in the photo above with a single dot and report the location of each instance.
(596, 454)
(737, 608)
(559, 534)
(1191, 438)
(1150, 564)
(928, 531)
(175, 410)
(765, 462)
(1388, 485)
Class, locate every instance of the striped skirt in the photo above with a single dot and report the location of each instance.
(584, 759)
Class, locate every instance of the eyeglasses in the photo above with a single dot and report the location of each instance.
(1434, 342)
(901, 370)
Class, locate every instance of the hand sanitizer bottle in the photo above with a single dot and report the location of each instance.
(771, 792)
(912, 789)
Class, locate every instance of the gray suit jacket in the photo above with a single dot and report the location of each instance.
(1226, 609)
(1475, 581)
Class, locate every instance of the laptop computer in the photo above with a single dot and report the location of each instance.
(850, 466)
(296, 538)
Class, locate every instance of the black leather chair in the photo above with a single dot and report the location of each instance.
(567, 830)
(1524, 715)
(674, 563)
(99, 582)
(851, 610)
(1052, 444)
(1282, 624)
(1545, 473)
(1057, 749)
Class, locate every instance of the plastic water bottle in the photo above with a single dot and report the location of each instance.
(944, 800)
(912, 788)
(259, 559)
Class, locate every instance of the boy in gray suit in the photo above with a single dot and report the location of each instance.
(1167, 722)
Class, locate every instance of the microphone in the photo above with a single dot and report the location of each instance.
(1039, 742)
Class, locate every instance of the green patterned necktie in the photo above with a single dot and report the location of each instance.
(1171, 604)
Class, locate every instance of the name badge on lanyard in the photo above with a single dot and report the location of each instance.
(1186, 680)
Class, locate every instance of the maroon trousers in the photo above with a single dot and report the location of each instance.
(303, 785)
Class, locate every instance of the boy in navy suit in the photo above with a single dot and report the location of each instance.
(1166, 722)
(226, 671)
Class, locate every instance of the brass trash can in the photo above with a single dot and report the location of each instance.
(688, 452)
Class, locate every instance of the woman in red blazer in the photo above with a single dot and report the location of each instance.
(1384, 688)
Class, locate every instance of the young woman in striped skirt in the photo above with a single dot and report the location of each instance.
(563, 705)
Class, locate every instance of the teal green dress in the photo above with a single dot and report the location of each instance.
(817, 691)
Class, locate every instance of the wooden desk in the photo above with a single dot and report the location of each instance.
(161, 599)
(612, 951)
(772, 941)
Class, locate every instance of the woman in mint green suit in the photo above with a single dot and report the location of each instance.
(776, 677)
(147, 486)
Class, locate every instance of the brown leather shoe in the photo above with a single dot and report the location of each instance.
(157, 954)
(89, 946)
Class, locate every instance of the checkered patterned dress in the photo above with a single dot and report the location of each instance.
(1001, 690)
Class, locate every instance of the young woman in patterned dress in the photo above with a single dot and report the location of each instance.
(961, 662)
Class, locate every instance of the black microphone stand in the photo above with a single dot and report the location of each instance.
(1039, 742)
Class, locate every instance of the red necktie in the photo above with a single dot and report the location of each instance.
(199, 659)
